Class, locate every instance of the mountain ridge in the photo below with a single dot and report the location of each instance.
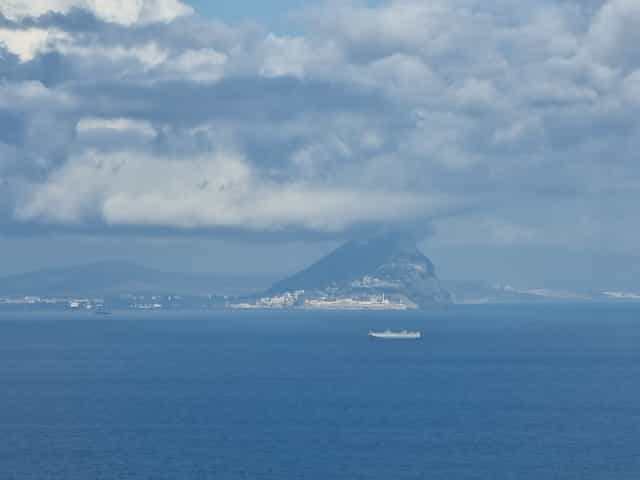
(389, 264)
(113, 277)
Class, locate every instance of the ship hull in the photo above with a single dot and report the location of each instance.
(396, 336)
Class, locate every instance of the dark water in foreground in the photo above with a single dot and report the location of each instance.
(549, 392)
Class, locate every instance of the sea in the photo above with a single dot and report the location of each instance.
(490, 392)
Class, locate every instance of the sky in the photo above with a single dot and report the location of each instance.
(271, 12)
(256, 136)
(274, 14)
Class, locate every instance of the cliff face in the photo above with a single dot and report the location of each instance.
(389, 264)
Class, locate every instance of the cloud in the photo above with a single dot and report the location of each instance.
(614, 32)
(32, 94)
(631, 87)
(27, 43)
(124, 12)
(488, 120)
(295, 56)
(92, 126)
(129, 188)
(144, 63)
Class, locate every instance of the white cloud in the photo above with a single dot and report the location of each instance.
(477, 94)
(216, 190)
(295, 56)
(122, 59)
(27, 43)
(143, 62)
(92, 125)
(403, 76)
(125, 12)
(615, 33)
(203, 65)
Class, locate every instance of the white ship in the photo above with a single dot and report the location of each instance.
(402, 334)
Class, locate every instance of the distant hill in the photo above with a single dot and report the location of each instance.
(389, 264)
(479, 292)
(116, 277)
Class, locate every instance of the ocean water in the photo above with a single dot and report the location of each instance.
(490, 392)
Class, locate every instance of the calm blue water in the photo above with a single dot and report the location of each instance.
(549, 392)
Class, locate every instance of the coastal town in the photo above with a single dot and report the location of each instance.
(287, 300)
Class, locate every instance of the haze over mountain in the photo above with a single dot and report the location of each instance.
(388, 264)
(118, 277)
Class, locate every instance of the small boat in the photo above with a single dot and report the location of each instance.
(402, 334)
